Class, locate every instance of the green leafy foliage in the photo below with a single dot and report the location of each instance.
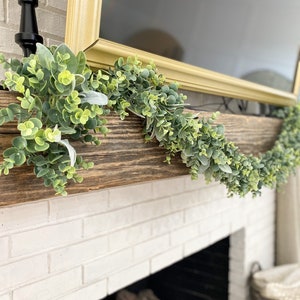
(54, 103)
(63, 100)
(202, 145)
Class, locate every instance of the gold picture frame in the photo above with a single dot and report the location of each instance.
(82, 33)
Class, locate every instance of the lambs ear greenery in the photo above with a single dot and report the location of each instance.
(62, 100)
(54, 102)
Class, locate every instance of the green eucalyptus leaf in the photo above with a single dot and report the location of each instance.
(19, 158)
(19, 142)
(10, 114)
(2, 120)
(225, 168)
(88, 138)
(81, 62)
(40, 161)
(67, 130)
(42, 172)
(204, 160)
(64, 55)
(61, 88)
(45, 57)
(10, 151)
(30, 146)
(79, 79)
(41, 148)
(53, 115)
(37, 122)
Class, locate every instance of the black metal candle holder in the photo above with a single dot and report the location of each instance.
(29, 34)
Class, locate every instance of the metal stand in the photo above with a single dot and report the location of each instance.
(29, 34)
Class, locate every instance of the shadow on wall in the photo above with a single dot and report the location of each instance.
(158, 42)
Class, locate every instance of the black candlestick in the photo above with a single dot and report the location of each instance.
(29, 34)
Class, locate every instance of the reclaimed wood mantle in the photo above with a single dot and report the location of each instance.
(124, 158)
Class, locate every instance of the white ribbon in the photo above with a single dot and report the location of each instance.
(71, 150)
(93, 97)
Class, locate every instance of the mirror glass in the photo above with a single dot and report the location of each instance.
(254, 40)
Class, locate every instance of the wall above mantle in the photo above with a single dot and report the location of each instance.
(124, 158)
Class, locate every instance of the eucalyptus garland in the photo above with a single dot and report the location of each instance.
(63, 100)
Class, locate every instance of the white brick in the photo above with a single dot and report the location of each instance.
(58, 4)
(236, 266)
(5, 297)
(94, 291)
(151, 247)
(128, 195)
(20, 217)
(182, 201)
(237, 253)
(128, 276)
(237, 292)
(198, 183)
(152, 209)
(259, 214)
(107, 264)
(107, 221)
(50, 41)
(50, 287)
(220, 233)
(264, 224)
(46, 237)
(184, 234)
(47, 19)
(168, 187)
(238, 279)
(197, 213)
(130, 236)
(4, 250)
(167, 223)
(259, 237)
(213, 192)
(23, 271)
(209, 224)
(79, 205)
(2, 11)
(166, 259)
(236, 217)
(238, 238)
(196, 244)
(77, 254)
(14, 13)
(258, 207)
(237, 225)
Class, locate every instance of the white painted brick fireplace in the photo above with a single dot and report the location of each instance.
(89, 245)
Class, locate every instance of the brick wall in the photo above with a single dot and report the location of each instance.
(88, 245)
(51, 18)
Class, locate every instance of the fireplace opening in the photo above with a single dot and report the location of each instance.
(201, 276)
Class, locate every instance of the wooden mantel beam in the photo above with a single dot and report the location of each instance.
(124, 158)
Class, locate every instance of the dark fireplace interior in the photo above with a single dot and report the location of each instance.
(201, 276)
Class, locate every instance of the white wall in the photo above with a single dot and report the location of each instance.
(88, 245)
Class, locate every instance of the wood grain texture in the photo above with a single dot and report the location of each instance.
(124, 158)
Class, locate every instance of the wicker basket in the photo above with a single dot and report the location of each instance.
(278, 283)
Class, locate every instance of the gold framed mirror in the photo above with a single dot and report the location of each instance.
(82, 33)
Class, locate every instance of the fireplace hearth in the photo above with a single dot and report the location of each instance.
(201, 276)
